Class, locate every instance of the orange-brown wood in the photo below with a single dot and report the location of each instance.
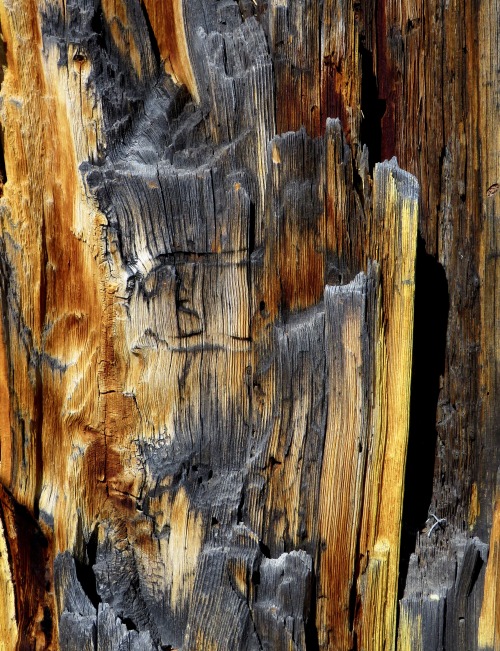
(167, 22)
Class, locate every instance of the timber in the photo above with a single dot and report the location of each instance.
(249, 355)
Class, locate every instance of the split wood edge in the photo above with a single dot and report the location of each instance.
(369, 341)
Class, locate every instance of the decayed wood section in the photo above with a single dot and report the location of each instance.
(244, 354)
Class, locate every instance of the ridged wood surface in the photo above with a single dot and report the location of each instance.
(242, 359)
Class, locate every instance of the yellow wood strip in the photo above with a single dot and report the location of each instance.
(489, 621)
(394, 235)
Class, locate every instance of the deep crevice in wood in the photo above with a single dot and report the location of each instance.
(373, 109)
(429, 349)
(311, 630)
(152, 37)
(85, 571)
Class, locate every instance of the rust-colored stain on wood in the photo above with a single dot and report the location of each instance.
(167, 22)
(5, 434)
(30, 555)
(301, 267)
(474, 506)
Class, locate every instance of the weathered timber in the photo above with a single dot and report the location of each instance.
(222, 425)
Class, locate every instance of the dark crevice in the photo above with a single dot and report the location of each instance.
(373, 109)
(3, 171)
(311, 630)
(5, 278)
(3, 65)
(476, 571)
(251, 249)
(97, 26)
(273, 462)
(85, 572)
(129, 624)
(46, 624)
(29, 565)
(429, 345)
(264, 549)
(38, 403)
(358, 182)
(239, 515)
(251, 229)
(354, 600)
(152, 37)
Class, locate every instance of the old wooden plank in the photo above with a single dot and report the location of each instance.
(168, 27)
(284, 597)
(462, 611)
(489, 115)
(295, 43)
(291, 463)
(441, 605)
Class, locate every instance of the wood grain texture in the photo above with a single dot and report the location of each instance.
(208, 337)
(8, 623)
(488, 635)
(169, 33)
(351, 331)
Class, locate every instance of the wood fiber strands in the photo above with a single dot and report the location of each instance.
(207, 291)
(361, 493)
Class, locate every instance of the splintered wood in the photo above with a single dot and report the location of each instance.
(366, 436)
(207, 294)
